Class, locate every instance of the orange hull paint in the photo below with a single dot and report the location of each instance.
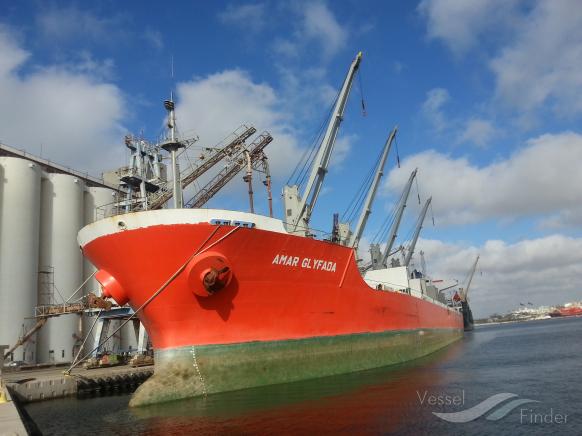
(264, 300)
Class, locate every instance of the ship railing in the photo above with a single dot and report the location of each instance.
(395, 287)
(323, 235)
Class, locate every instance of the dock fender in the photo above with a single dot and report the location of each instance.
(208, 273)
(111, 287)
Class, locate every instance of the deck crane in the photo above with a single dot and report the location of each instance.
(367, 208)
(226, 174)
(419, 223)
(298, 208)
(396, 224)
(465, 293)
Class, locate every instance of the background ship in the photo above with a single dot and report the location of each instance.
(233, 299)
(569, 309)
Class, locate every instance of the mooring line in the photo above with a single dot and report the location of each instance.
(200, 250)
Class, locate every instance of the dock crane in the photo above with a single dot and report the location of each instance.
(374, 248)
(298, 208)
(367, 208)
(419, 223)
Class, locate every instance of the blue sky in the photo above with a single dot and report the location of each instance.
(487, 96)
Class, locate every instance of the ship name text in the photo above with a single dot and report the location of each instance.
(306, 262)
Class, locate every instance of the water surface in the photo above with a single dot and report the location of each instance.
(537, 360)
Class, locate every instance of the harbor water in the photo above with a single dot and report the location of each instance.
(536, 364)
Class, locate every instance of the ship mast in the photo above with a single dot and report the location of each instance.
(397, 219)
(172, 145)
(298, 208)
(367, 209)
(417, 232)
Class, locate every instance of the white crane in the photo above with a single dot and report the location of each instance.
(298, 208)
(465, 293)
(367, 208)
(397, 219)
(410, 251)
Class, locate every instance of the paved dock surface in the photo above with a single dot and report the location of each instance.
(10, 421)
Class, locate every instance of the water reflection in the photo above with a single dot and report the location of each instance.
(381, 399)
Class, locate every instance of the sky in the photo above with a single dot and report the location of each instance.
(487, 95)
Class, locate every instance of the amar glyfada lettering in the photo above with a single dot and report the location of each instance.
(304, 262)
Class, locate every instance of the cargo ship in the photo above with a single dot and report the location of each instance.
(234, 300)
(569, 309)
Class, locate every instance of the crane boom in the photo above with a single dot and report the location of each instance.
(227, 173)
(298, 208)
(397, 219)
(367, 209)
(466, 293)
(417, 232)
(165, 194)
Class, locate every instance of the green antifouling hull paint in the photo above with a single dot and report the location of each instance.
(200, 370)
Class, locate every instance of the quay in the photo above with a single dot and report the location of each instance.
(44, 384)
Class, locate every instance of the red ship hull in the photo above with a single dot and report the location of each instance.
(567, 311)
(276, 289)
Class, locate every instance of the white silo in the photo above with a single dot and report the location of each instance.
(60, 263)
(98, 204)
(19, 239)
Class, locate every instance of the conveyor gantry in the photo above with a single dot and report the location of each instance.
(226, 174)
(161, 197)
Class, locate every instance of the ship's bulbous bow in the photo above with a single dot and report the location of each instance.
(111, 288)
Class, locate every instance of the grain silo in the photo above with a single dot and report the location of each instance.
(19, 242)
(60, 263)
(98, 203)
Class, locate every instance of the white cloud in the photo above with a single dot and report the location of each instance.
(536, 47)
(71, 24)
(541, 271)
(250, 17)
(543, 63)
(317, 25)
(154, 38)
(341, 150)
(459, 24)
(286, 48)
(540, 180)
(398, 67)
(321, 25)
(217, 104)
(477, 131)
(65, 109)
(12, 54)
(432, 106)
